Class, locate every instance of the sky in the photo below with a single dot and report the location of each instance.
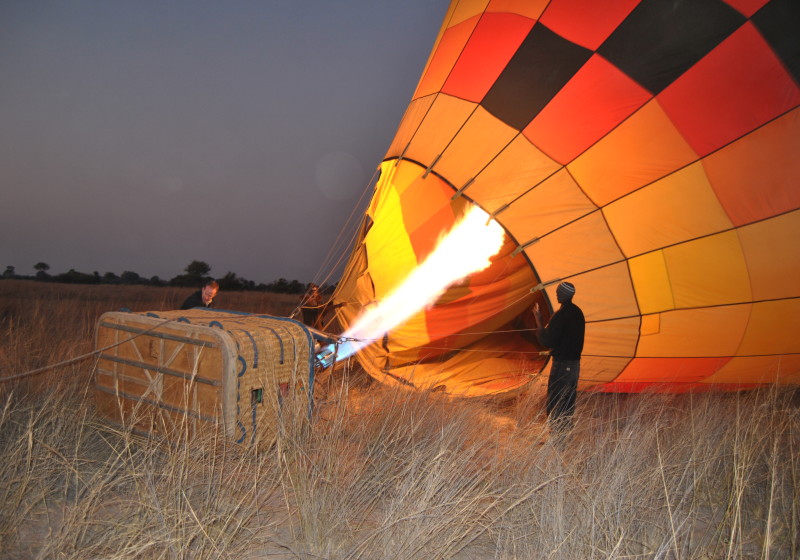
(142, 135)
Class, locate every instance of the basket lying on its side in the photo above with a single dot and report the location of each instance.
(178, 371)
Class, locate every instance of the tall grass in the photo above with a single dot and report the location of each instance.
(384, 473)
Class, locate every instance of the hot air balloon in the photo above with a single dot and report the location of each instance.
(644, 150)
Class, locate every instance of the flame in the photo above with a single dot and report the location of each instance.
(467, 248)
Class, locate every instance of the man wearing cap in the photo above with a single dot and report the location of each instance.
(564, 336)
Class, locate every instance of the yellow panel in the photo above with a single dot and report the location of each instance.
(759, 369)
(415, 112)
(708, 271)
(383, 190)
(476, 144)
(442, 122)
(651, 282)
(774, 328)
(518, 168)
(548, 206)
(711, 332)
(772, 251)
(389, 251)
(583, 245)
(639, 151)
(679, 207)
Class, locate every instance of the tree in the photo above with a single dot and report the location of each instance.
(198, 269)
(41, 269)
(10, 272)
(230, 282)
(129, 277)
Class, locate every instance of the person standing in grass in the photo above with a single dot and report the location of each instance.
(203, 297)
(564, 336)
(312, 307)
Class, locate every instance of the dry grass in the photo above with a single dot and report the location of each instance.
(382, 473)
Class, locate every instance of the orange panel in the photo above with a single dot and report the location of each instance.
(643, 149)
(611, 339)
(593, 102)
(583, 245)
(586, 22)
(598, 370)
(670, 370)
(412, 118)
(708, 271)
(479, 141)
(464, 10)
(492, 44)
(773, 328)
(605, 293)
(673, 388)
(548, 206)
(442, 61)
(758, 176)
(679, 207)
(709, 332)
(772, 251)
(446, 116)
(518, 168)
(760, 369)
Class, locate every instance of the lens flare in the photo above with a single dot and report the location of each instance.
(467, 248)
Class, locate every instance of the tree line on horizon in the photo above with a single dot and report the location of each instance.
(194, 275)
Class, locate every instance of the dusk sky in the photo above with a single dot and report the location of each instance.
(142, 135)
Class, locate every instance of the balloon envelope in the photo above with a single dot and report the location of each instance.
(646, 151)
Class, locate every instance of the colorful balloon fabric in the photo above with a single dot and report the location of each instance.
(646, 151)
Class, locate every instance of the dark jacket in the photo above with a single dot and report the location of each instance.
(564, 333)
(195, 300)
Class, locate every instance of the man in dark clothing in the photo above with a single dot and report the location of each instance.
(564, 336)
(203, 297)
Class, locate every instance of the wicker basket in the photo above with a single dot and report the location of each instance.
(178, 372)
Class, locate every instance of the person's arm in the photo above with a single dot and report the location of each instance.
(541, 331)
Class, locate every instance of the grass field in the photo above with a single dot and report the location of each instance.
(380, 473)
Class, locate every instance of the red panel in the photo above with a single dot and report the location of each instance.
(444, 57)
(736, 88)
(492, 44)
(597, 99)
(586, 22)
(746, 7)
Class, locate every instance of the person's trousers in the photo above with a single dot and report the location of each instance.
(562, 389)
